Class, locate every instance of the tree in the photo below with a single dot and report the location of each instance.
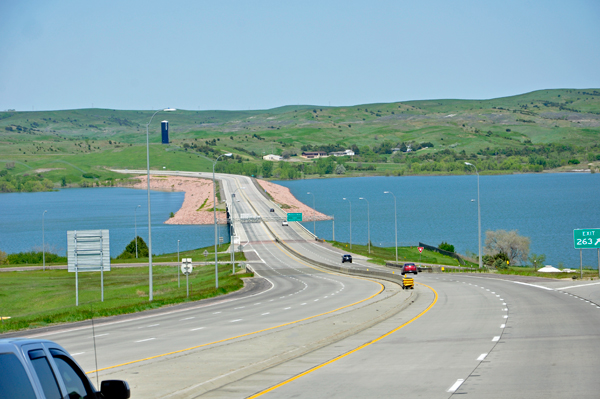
(129, 251)
(516, 247)
(537, 260)
(3, 258)
(446, 247)
(340, 169)
(267, 168)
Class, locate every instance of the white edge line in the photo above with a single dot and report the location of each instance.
(456, 385)
(156, 315)
(577, 286)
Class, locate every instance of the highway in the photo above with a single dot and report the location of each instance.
(303, 331)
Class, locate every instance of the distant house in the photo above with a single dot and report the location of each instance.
(314, 154)
(342, 153)
(395, 149)
(272, 157)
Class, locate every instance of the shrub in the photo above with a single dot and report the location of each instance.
(129, 251)
(446, 247)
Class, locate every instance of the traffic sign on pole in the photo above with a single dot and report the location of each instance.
(586, 238)
(420, 249)
(294, 217)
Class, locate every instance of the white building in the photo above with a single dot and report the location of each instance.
(342, 153)
(272, 157)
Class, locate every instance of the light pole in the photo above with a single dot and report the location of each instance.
(150, 296)
(478, 213)
(395, 223)
(231, 241)
(43, 244)
(177, 267)
(368, 224)
(314, 223)
(346, 199)
(215, 215)
(135, 228)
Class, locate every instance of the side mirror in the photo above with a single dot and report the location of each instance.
(115, 389)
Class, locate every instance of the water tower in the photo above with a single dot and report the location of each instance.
(164, 127)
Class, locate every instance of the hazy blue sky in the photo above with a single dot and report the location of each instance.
(261, 54)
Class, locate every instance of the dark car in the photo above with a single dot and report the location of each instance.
(272, 210)
(409, 268)
(346, 258)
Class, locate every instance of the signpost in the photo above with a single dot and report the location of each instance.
(88, 251)
(186, 268)
(294, 217)
(420, 251)
(586, 239)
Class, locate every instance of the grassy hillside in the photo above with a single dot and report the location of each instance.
(547, 129)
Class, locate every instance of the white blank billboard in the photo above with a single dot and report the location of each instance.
(88, 250)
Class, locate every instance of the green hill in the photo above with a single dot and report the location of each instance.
(547, 128)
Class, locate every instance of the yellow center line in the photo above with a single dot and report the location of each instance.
(350, 352)
(381, 288)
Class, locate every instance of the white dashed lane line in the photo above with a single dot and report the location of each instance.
(233, 321)
(196, 329)
(217, 312)
(482, 356)
(265, 313)
(144, 340)
(496, 338)
(187, 318)
(78, 353)
(287, 308)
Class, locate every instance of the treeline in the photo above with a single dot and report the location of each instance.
(34, 257)
(11, 183)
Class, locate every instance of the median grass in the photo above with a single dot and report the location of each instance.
(381, 255)
(530, 271)
(41, 298)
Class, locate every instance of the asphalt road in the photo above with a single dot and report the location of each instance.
(306, 332)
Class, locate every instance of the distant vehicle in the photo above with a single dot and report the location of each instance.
(272, 210)
(39, 369)
(346, 258)
(409, 268)
(284, 223)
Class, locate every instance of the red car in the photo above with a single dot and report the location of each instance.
(409, 268)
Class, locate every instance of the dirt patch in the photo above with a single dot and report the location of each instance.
(198, 194)
(289, 203)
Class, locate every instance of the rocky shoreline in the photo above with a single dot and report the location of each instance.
(197, 207)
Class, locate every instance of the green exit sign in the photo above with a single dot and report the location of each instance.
(297, 217)
(586, 238)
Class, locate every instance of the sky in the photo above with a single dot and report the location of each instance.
(239, 55)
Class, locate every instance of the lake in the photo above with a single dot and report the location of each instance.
(430, 209)
(97, 208)
(544, 207)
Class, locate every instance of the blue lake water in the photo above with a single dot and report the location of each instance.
(432, 209)
(97, 208)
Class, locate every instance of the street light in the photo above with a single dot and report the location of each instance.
(43, 244)
(314, 223)
(478, 212)
(150, 296)
(135, 228)
(368, 224)
(350, 220)
(228, 154)
(231, 243)
(395, 223)
(177, 267)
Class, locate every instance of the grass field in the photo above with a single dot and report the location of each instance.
(74, 142)
(41, 298)
(381, 255)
